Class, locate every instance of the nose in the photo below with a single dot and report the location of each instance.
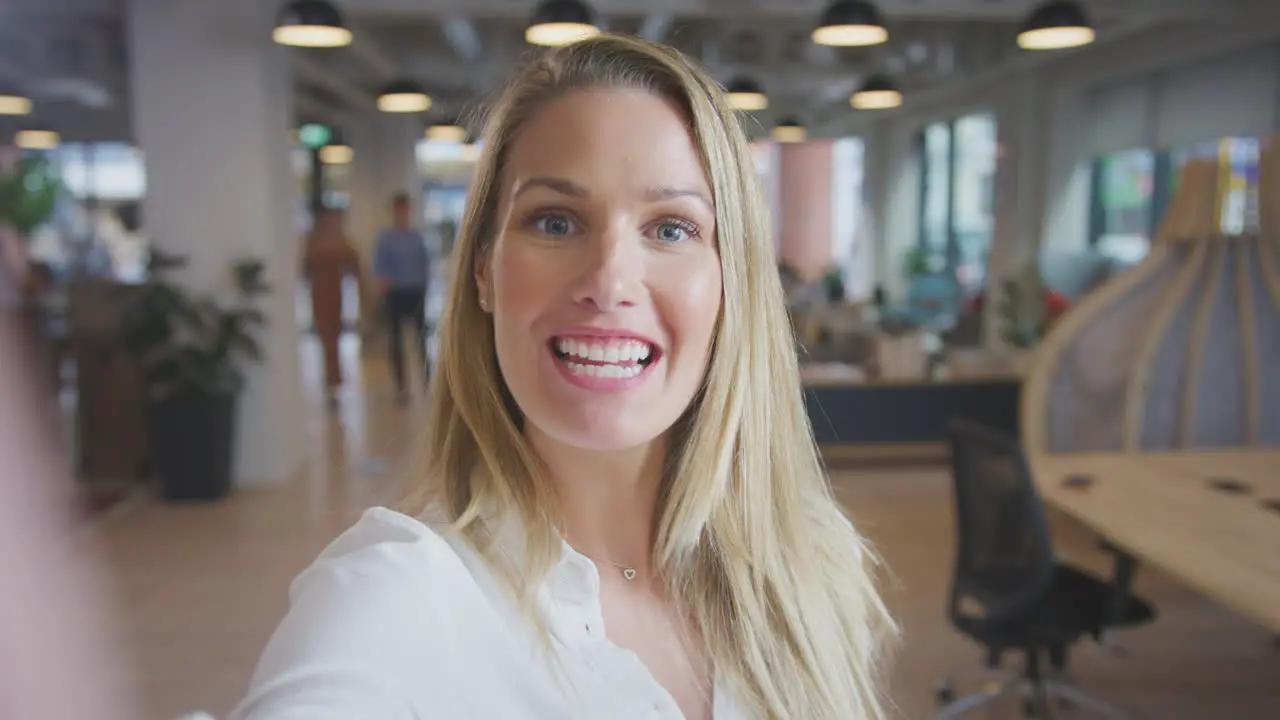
(612, 268)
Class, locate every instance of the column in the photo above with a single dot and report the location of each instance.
(805, 174)
(1021, 130)
(211, 109)
(385, 164)
(368, 212)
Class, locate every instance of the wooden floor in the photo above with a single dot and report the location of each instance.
(200, 588)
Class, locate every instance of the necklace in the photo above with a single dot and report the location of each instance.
(628, 572)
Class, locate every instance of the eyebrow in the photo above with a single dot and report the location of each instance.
(572, 189)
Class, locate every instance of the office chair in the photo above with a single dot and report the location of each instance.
(1009, 592)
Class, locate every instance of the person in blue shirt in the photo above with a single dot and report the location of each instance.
(402, 268)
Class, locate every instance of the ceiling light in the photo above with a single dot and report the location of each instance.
(37, 139)
(448, 132)
(561, 22)
(1056, 25)
(311, 23)
(337, 154)
(13, 103)
(789, 130)
(850, 23)
(747, 95)
(877, 93)
(403, 96)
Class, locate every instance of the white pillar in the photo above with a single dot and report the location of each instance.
(368, 213)
(1022, 122)
(211, 108)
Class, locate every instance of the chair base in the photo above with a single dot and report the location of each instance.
(1040, 699)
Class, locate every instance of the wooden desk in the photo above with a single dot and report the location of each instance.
(1163, 509)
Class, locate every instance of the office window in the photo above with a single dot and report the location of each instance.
(107, 170)
(1241, 156)
(935, 197)
(957, 173)
(1122, 207)
(972, 216)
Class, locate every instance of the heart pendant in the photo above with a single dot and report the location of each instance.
(629, 573)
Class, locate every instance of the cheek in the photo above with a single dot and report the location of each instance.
(691, 300)
(521, 286)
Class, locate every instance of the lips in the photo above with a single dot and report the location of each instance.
(612, 357)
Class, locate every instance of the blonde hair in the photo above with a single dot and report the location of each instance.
(754, 547)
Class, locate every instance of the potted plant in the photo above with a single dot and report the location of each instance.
(191, 353)
(29, 190)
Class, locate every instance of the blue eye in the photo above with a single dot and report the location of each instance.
(553, 225)
(675, 231)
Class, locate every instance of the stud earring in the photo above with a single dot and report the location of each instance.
(484, 304)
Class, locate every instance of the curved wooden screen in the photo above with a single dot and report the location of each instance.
(1181, 351)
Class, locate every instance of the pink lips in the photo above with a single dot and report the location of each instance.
(603, 360)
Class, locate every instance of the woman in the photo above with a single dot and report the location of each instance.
(328, 259)
(625, 515)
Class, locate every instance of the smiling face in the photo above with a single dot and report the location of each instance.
(604, 279)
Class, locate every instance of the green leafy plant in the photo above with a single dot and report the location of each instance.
(1022, 314)
(189, 345)
(919, 262)
(29, 190)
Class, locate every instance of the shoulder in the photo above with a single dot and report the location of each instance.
(374, 611)
(384, 546)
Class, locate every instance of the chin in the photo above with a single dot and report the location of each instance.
(598, 431)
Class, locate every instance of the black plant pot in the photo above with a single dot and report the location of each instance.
(193, 445)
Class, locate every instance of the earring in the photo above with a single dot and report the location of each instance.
(484, 304)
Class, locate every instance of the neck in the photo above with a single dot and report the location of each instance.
(606, 500)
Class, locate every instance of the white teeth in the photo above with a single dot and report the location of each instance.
(627, 351)
(605, 371)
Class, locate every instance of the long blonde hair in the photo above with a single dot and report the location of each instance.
(756, 552)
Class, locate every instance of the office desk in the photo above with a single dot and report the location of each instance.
(856, 420)
(1165, 509)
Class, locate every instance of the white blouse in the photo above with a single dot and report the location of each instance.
(394, 620)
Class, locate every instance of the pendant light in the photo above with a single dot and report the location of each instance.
(1056, 25)
(37, 138)
(312, 24)
(450, 131)
(746, 94)
(789, 130)
(403, 96)
(13, 102)
(336, 151)
(851, 23)
(878, 93)
(561, 22)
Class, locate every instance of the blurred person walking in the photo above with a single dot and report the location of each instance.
(402, 266)
(59, 655)
(327, 260)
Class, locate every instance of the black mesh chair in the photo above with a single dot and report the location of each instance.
(1009, 592)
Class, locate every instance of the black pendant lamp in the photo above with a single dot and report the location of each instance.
(336, 151)
(879, 92)
(789, 130)
(311, 23)
(449, 131)
(1056, 25)
(403, 96)
(37, 137)
(561, 22)
(14, 102)
(851, 23)
(746, 94)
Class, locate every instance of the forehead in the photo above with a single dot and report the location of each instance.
(603, 135)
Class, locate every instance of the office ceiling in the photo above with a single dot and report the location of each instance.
(71, 54)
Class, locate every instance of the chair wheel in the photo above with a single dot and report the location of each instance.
(944, 693)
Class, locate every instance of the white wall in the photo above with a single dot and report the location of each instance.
(1166, 84)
